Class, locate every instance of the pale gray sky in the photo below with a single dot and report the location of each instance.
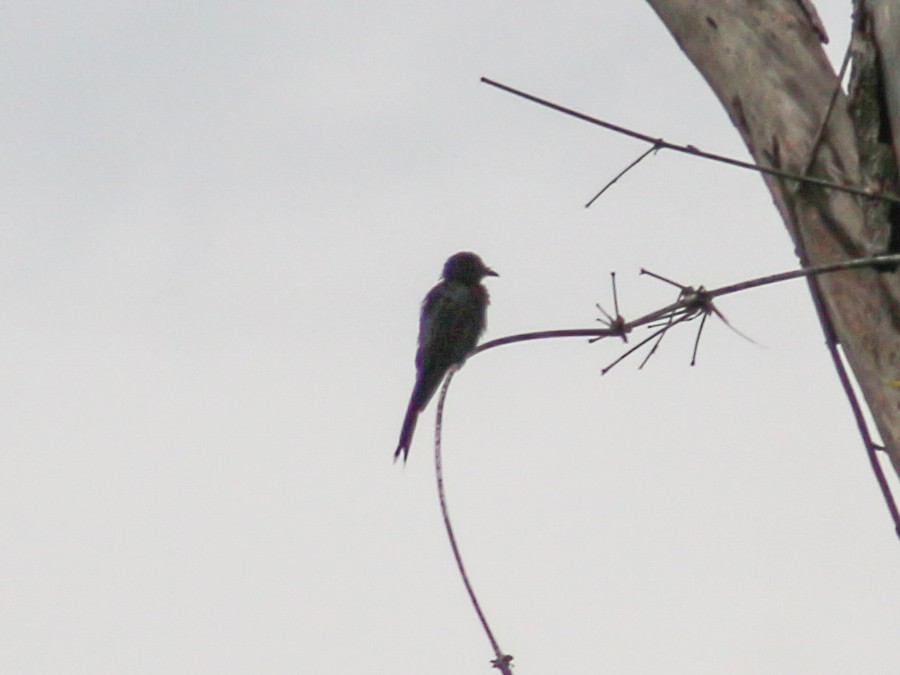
(219, 220)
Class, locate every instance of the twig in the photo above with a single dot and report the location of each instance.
(688, 306)
(615, 325)
(659, 143)
(814, 271)
(685, 305)
(501, 660)
(620, 174)
(863, 428)
(633, 349)
(822, 312)
(697, 339)
(669, 325)
(612, 276)
(820, 135)
(662, 278)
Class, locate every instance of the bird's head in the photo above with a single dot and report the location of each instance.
(466, 268)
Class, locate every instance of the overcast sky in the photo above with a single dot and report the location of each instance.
(218, 222)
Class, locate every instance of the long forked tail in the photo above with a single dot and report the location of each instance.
(406, 434)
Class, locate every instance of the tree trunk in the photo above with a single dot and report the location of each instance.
(765, 62)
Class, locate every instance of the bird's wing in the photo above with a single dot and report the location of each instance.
(451, 323)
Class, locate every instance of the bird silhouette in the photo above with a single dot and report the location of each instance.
(452, 320)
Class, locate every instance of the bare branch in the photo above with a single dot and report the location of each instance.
(659, 143)
(691, 303)
(620, 174)
(501, 660)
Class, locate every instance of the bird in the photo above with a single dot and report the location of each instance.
(451, 321)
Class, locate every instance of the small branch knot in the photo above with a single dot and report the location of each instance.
(502, 663)
(697, 300)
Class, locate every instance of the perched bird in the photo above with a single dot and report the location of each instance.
(451, 322)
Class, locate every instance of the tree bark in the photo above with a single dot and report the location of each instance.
(764, 61)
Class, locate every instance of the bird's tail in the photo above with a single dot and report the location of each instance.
(409, 426)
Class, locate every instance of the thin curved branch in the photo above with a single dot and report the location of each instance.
(691, 300)
(501, 660)
(691, 303)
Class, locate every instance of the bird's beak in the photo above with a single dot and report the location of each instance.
(488, 272)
